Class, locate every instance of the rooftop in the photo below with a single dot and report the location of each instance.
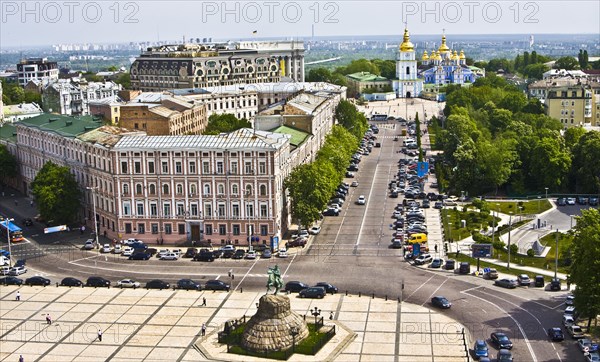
(23, 108)
(297, 136)
(366, 77)
(241, 139)
(108, 136)
(65, 126)
(8, 132)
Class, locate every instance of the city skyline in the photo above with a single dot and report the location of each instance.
(104, 22)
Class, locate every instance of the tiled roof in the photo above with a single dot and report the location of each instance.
(241, 139)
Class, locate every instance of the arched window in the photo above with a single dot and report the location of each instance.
(125, 189)
(165, 189)
(249, 189)
(179, 188)
(138, 189)
(193, 189)
(207, 189)
(221, 189)
(152, 189)
(234, 189)
(407, 70)
(263, 190)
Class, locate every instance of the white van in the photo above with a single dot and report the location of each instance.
(408, 141)
(4, 260)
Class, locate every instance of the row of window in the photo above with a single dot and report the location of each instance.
(218, 168)
(193, 189)
(222, 210)
(209, 229)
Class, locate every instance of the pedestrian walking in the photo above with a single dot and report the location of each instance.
(100, 335)
(48, 319)
(18, 296)
(21, 359)
(31, 203)
(203, 302)
(436, 248)
(330, 315)
(203, 329)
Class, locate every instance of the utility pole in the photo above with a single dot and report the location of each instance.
(556, 256)
(509, 230)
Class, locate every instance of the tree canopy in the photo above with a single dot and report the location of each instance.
(56, 193)
(224, 123)
(8, 163)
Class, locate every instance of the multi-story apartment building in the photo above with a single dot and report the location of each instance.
(215, 64)
(36, 69)
(72, 96)
(217, 188)
(573, 101)
(236, 100)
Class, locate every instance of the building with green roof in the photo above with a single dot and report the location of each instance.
(365, 82)
(65, 126)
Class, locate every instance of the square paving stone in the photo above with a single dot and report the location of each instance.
(378, 348)
(132, 353)
(377, 337)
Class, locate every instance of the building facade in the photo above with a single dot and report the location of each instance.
(408, 83)
(216, 64)
(365, 82)
(446, 66)
(72, 97)
(17, 112)
(36, 69)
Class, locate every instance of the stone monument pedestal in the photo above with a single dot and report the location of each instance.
(270, 329)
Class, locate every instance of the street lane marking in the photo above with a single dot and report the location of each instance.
(435, 291)
(362, 223)
(420, 286)
(245, 275)
(534, 358)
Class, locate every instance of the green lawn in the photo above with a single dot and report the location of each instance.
(451, 219)
(528, 207)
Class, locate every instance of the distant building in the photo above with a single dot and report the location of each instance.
(216, 64)
(408, 83)
(445, 66)
(560, 73)
(36, 69)
(365, 82)
(573, 101)
(17, 112)
(72, 97)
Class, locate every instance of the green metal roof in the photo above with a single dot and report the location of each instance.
(8, 132)
(366, 77)
(298, 136)
(66, 126)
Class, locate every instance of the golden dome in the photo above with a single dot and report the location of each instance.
(462, 54)
(406, 45)
(443, 48)
(425, 56)
(454, 56)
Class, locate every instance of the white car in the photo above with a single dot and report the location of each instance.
(251, 255)
(127, 251)
(570, 300)
(315, 230)
(117, 249)
(89, 244)
(228, 248)
(18, 270)
(361, 200)
(5, 270)
(303, 233)
(571, 201)
(162, 252)
(106, 248)
(568, 320)
(354, 184)
(4, 260)
(169, 256)
(282, 253)
(128, 283)
(397, 214)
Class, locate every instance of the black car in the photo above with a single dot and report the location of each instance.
(239, 254)
(582, 200)
(157, 284)
(204, 256)
(71, 282)
(593, 201)
(501, 340)
(139, 256)
(11, 281)
(450, 265)
(556, 334)
(97, 282)
(441, 302)
(295, 286)
(217, 253)
(190, 253)
(312, 292)
(227, 254)
(561, 201)
(188, 284)
(464, 268)
(37, 280)
(329, 288)
(331, 212)
(216, 285)
(539, 281)
(555, 284)
(27, 222)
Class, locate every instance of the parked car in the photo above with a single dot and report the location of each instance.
(575, 331)
(593, 201)
(216, 285)
(106, 248)
(570, 310)
(423, 259)
(570, 201)
(239, 254)
(464, 268)
(561, 201)
(491, 274)
(570, 300)
(97, 282)
(117, 249)
(157, 284)
(582, 200)
(507, 283)
(450, 264)
(204, 256)
(295, 286)
(139, 256)
(251, 255)
(128, 283)
(37, 280)
(190, 253)
(315, 230)
(18, 270)
(441, 302)
(501, 340)
(555, 284)
(539, 281)
(329, 288)
(354, 184)
(282, 253)
(480, 349)
(586, 345)
(71, 282)
(523, 280)
(504, 355)
(188, 284)
(592, 357)
(10, 280)
(568, 320)
(266, 254)
(299, 241)
(555, 334)
(436, 263)
(169, 256)
(312, 292)
(89, 244)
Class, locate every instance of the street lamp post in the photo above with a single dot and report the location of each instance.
(8, 240)
(294, 332)
(316, 313)
(494, 222)
(93, 189)
(546, 192)
(509, 230)
(556, 255)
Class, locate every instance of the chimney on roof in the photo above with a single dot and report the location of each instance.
(69, 123)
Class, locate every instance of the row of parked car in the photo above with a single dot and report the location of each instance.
(100, 282)
(318, 291)
(581, 200)
(587, 346)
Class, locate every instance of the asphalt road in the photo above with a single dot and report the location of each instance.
(352, 251)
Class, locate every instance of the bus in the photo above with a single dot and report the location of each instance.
(15, 232)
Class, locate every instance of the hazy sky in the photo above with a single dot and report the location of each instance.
(71, 21)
